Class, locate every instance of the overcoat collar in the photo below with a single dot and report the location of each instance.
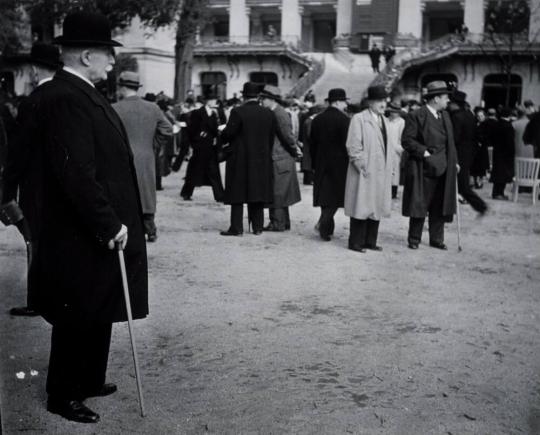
(96, 98)
(368, 117)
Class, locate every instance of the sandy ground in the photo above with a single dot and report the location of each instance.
(284, 333)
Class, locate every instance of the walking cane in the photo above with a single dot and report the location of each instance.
(458, 218)
(130, 327)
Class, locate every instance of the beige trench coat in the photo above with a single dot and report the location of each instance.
(369, 175)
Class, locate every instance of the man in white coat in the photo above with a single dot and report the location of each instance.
(395, 125)
(369, 175)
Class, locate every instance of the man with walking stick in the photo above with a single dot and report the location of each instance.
(90, 202)
(430, 173)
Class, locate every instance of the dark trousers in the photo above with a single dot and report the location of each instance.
(214, 177)
(280, 218)
(394, 192)
(78, 359)
(326, 221)
(255, 216)
(498, 189)
(363, 232)
(434, 197)
(309, 176)
(464, 188)
(149, 224)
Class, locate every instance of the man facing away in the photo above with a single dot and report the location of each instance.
(90, 202)
(284, 153)
(250, 134)
(145, 126)
(431, 169)
(327, 145)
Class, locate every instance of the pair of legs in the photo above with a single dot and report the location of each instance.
(255, 216)
(498, 190)
(280, 219)
(363, 234)
(326, 222)
(394, 192)
(214, 177)
(464, 188)
(150, 226)
(309, 176)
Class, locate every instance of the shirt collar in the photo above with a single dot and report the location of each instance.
(433, 111)
(45, 80)
(78, 74)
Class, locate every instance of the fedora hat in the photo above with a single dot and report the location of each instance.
(377, 93)
(46, 55)
(129, 79)
(86, 29)
(336, 94)
(272, 92)
(393, 107)
(250, 90)
(435, 88)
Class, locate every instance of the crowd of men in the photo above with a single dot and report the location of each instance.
(80, 175)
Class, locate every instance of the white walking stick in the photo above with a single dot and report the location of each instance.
(130, 327)
(458, 218)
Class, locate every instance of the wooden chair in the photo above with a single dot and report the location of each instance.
(526, 174)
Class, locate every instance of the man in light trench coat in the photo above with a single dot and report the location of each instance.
(145, 125)
(369, 176)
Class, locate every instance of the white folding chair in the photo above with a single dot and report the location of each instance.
(526, 174)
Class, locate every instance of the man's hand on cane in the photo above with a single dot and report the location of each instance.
(121, 238)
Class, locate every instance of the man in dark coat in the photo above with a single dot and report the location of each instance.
(431, 169)
(305, 120)
(45, 60)
(203, 167)
(327, 140)
(531, 135)
(284, 154)
(90, 202)
(466, 141)
(250, 132)
(503, 155)
(375, 56)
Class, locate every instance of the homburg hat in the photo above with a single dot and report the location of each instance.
(336, 94)
(435, 88)
(129, 79)
(272, 92)
(377, 92)
(86, 29)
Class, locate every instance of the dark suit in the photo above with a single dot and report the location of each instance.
(466, 140)
(88, 190)
(203, 167)
(503, 156)
(531, 135)
(328, 137)
(430, 182)
(248, 178)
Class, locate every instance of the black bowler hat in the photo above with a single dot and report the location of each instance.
(46, 55)
(459, 97)
(250, 90)
(377, 93)
(86, 29)
(336, 94)
(435, 88)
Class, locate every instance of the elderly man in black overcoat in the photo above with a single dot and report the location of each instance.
(431, 170)
(328, 137)
(90, 202)
(250, 134)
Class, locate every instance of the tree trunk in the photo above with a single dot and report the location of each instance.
(183, 66)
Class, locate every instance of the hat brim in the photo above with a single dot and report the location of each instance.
(271, 96)
(436, 92)
(60, 40)
(129, 84)
(337, 99)
(42, 62)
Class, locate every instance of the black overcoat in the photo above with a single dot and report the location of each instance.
(328, 138)
(465, 136)
(480, 164)
(202, 131)
(250, 132)
(503, 152)
(89, 189)
(416, 139)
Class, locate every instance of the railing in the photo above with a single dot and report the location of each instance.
(313, 74)
(292, 42)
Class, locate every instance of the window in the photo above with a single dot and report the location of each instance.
(498, 90)
(264, 78)
(214, 83)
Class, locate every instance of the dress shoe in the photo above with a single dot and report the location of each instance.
(72, 410)
(186, 198)
(257, 232)
(500, 197)
(357, 248)
(230, 233)
(271, 227)
(438, 245)
(152, 238)
(105, 390)
(413, 245)
(326, 237)
(374, 247)
(23, 311)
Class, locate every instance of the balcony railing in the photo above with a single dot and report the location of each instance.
(292, 42)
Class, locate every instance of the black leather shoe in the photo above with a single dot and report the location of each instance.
(374, 247)
(257, 232)
(230, 233)
(438, 245)
(271, 227)
(105, 390)
(326, 237)
(357, 248)
(151, 238)
(23, 311)
(186, 198)
(413, 245)
(72, 410)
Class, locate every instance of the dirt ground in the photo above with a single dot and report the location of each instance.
(284, 333)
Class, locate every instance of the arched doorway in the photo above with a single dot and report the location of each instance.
(499, 89)
(214, 83)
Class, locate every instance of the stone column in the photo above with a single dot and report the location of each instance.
(474, 18)
(291, 21)
(410, 18)
(534, 21)
(344, 17)
(238, 22)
